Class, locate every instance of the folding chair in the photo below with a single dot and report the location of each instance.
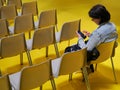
(24, 23)
(32, 77)
(5, 83)
(4, 28)
(43, 38)
(106, 52)
(47, 18)
(68, 31)
(71, 62)
(14, 45)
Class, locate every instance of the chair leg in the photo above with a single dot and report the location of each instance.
(47, 51)
(41, 87)
(21, 58)
(0, 73)
(70, 76)
(56, 50)
(86, 78)
(29, 58)
(56, 28)
(53, 84)
(95, 67)
(113, 70)
(29, 35)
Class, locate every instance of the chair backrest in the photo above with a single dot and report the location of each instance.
(36, 75)
(47, 18)
(69, 29)
(73, 61)
(9, 12)
(3, 28)
(5, 83)
(12, 45)
(24, 23)
(1, 3)
(17, 3)
(30, 7)
(43, 37)
(106, 50)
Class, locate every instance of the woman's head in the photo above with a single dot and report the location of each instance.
(99, 14)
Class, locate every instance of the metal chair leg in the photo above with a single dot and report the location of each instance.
(86, 78)
(113, 70)
(56, 50)
(41, 87)
(70, 76)
(53, 84)
(21, 58)
(29, 58)
(47, 51)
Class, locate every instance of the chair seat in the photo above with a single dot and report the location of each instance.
(57, 36)
(19, 13)
(15, 80)
(56, 66)
(11, 29)
(36, 24)
(29, 44)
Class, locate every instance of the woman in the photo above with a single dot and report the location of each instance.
(105, 32)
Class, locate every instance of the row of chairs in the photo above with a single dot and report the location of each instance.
(25, 23)
(40, 73)
(17, 8)
(17, 44)
(68, 63)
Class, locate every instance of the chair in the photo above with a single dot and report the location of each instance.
(17, 3)
(14, 45)
(5, 83)
(106, 52)
(68, 31)
(32, 76)
(4, 28)
(29, 7)
(47, 18)
(43, 38)
(9, 12)
(1, 3)
(22, 23)
(69, 63)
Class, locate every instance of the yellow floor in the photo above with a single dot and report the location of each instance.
(69, 10)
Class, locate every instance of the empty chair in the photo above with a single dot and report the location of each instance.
(47, 18)
(29, 7)
(3, 28)
(32, 76)
(43, 38)
(71, 62)
(9, 12)
(17, 3)
(106, 52)
(1, 3)
(68, 31)
(12, 46)
(22, 23)
(5, 83)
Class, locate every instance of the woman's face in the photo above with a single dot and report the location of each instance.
(96, 20)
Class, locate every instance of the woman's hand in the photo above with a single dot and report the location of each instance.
(86, 33)
(79, 36)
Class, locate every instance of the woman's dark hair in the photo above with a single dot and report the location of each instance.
(99, 12)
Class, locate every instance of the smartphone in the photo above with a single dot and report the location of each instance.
(82, 35)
